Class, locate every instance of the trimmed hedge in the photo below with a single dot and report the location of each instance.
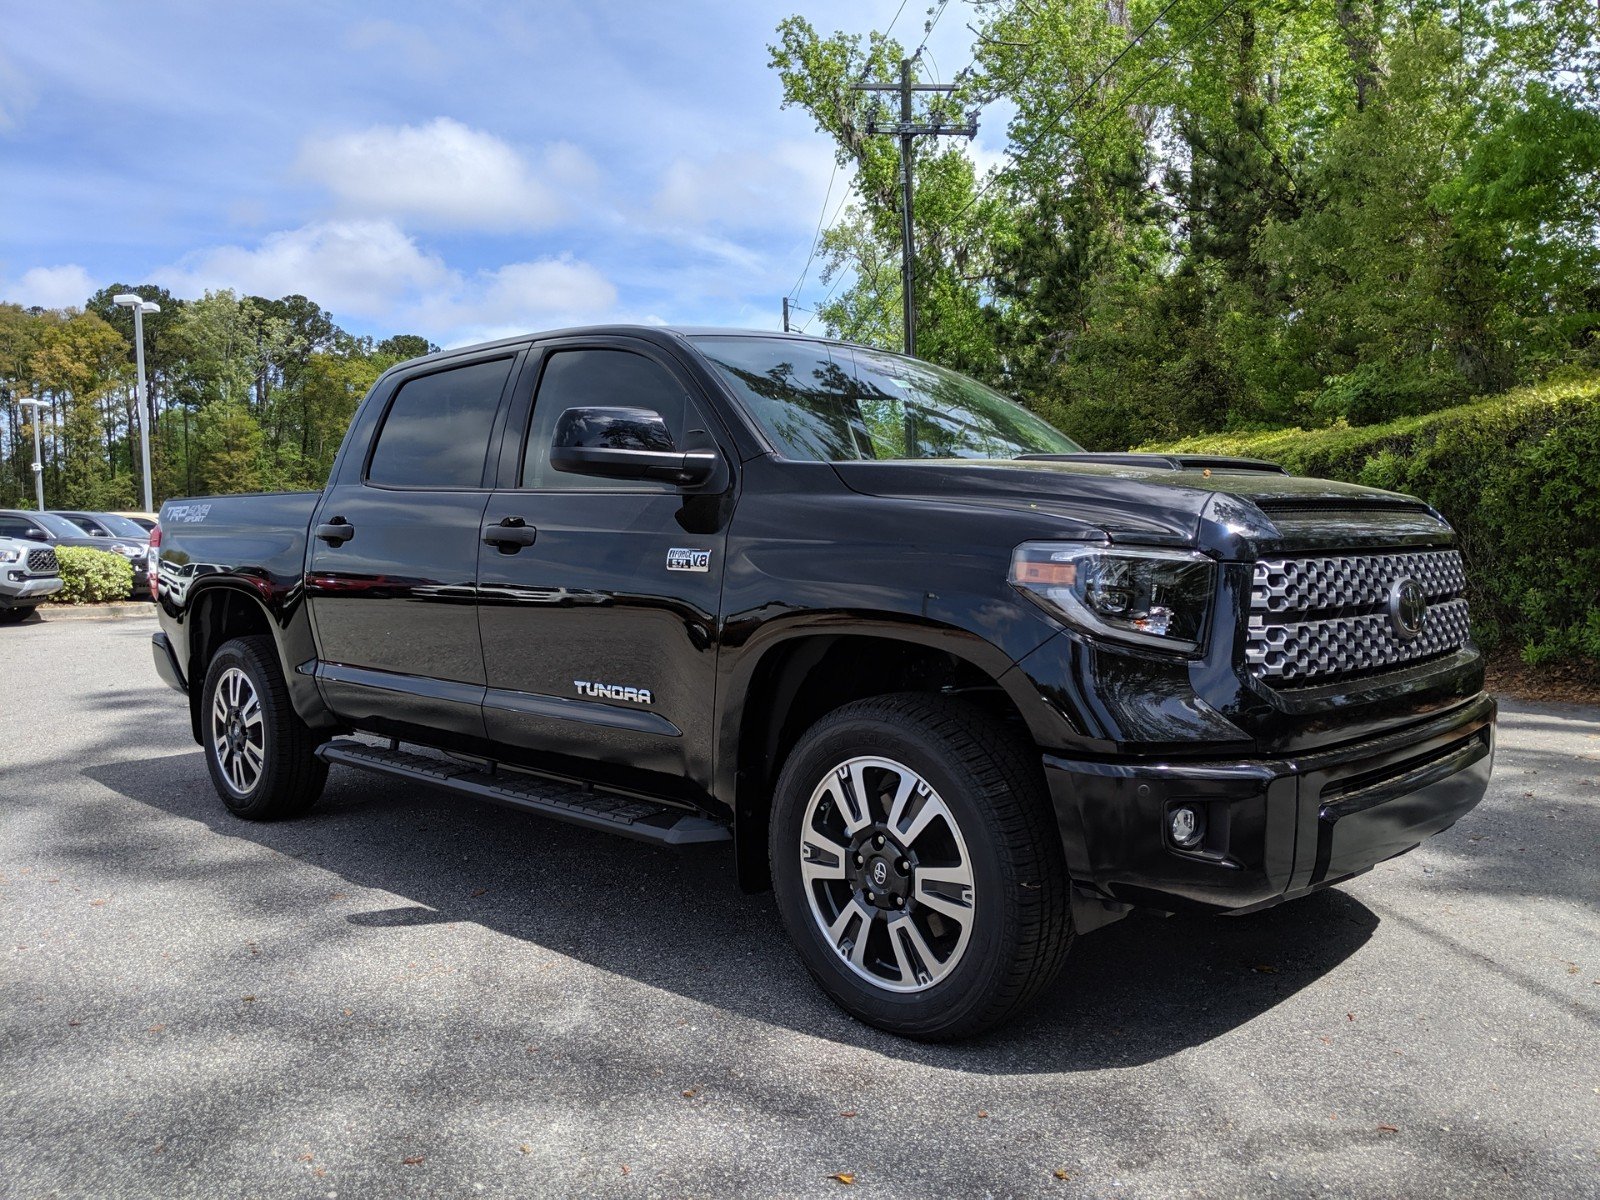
(1518, 475)
(92, 576)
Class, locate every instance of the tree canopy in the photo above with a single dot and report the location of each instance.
(248, 393)
(1233, 214)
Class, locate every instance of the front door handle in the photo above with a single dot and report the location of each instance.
(511, 534)
(336, 532)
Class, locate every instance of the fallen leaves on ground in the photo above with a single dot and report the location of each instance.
(690, 1093)
(1061, 1175)
(1388, 1129)
(842, 1177)
(412, 1160)
(849, 1112)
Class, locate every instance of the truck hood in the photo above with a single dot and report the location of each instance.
(1232, 507)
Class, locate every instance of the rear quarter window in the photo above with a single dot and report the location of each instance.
(436, 431)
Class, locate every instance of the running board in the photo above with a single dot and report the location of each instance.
(570, 802)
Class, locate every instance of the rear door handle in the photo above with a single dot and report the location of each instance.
(336, 532)
(511, 534)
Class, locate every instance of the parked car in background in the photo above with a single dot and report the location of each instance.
(119, 534)
(28, 574)
(145, 521)
(55, 530)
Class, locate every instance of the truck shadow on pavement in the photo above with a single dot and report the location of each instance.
(1135, 992)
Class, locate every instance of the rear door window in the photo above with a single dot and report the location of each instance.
(436, 432)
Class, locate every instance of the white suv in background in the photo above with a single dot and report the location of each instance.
(28, 573)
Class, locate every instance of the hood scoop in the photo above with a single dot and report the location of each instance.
(1164, 462)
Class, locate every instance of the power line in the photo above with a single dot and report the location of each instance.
(927, 30)
(888, 29)
(1117, 102)
(816, 238)
(1127, 96)
(1121, 54)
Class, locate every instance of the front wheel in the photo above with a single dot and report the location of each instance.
(916, 866)
(261, 755)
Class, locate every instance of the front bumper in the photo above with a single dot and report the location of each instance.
(1274, 828)
(27, 591)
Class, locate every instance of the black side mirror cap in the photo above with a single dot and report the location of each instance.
(625, 443)
(687, 468)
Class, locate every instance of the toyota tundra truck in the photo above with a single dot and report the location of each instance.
(954, 688)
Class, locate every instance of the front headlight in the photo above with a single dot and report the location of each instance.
(10, 556)
(1146, 597)
(128, 551)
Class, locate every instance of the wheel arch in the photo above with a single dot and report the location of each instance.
(795, 678)
(224, 609)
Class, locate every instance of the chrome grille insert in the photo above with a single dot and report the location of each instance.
(1324, 616)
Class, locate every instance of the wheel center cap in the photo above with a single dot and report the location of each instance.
(882, 877)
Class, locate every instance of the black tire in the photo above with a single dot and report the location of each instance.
(270, 770)
(1020, 917)
(14, 616)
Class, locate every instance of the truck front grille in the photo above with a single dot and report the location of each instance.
(42, 562)
(1322, 617)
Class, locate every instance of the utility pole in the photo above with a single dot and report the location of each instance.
(786, 314)
(906, 129)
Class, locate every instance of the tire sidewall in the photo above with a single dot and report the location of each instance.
(993, 937)
(258, 798)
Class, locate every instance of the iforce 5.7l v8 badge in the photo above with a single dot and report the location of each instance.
(680, 559)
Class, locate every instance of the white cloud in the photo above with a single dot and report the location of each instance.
(373, 271)
(783, 185)
(363, 268)
(446, 175)
(518, 298)
(66, 286)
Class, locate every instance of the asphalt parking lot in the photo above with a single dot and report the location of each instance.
(405, 994)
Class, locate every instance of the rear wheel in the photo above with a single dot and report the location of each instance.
(260, 754)
(916, 867)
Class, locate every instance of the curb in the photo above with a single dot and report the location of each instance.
(130, 610)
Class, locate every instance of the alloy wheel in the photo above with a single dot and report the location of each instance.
(887, 874)
(238, 733)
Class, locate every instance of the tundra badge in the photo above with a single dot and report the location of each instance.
(613, 691)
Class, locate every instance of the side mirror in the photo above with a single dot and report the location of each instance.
(34, 534)
(625, 443)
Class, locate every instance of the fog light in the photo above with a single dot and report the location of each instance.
(1186, 827)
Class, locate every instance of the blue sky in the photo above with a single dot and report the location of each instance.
(459, 170)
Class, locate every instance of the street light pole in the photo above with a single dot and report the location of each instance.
(38, 407)
(140, 306)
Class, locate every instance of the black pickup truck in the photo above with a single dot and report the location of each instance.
(954, 688)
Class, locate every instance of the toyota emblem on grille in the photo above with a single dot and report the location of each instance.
(1408, 607)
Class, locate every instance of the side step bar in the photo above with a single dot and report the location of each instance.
(570, 802)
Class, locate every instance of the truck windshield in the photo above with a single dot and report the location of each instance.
(826, 402)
